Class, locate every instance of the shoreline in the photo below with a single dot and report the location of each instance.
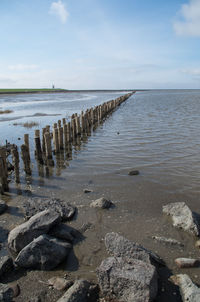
(38, 91)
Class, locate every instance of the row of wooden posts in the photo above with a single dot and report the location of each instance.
(64, 134)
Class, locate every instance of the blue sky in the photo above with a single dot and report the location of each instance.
(96, 44)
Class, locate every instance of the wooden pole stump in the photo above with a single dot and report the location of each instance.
(38, 149)
(15, 160)
(26, 159)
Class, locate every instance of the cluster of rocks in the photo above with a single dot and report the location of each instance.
(189, 221)
(129, 274)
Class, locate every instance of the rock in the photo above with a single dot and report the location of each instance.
(121, 247)
(197, 244)
(3, 207)
(183, 217)
(6, 265)
(186, 262)
(43, 253)
(134, 172)
(81, 291)
(101, 203)
(16, 290)
(132, 280)
(6, 293)
(189, 291)
(36, 205)
(60, 283)
(37, 225)
(87, 191)
(168, 241)
(62, 231)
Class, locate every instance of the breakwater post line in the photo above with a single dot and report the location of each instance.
(64, 135)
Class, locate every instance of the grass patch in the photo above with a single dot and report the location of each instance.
(27, 124)
(5, 111)
(2, 91)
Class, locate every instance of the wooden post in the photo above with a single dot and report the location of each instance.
(26, 141)
(60, 138)
(38, 149)
(47, 128)
(3, 155)
(26, 159)
(43, 140)
(48, 148)
(78, 126)
(64, 121)
(73, 125)
(15, 160)
(59, 123)
(55, 140)
(69, 134)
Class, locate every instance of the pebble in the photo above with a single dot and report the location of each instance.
(87, 191)
(186, 262)
(60, 283)
(134, 172)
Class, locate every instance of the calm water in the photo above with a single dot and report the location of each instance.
(156, 132)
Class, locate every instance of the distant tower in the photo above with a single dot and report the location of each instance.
(53, 86)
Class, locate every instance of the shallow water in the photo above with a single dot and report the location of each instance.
(155, 132)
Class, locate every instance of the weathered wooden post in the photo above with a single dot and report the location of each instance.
(64, 121)
(26, 141)
(26, 159)
(55, 140)
(15, 160)
(48, 148)
(3, 177)
(38, 149)
(60, 137)
(43, 140)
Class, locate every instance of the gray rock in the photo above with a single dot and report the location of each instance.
(60, 283)
(183, 217)
(43, 253)
(62, 231)
(6, 293)
(87, 191)
(121, 247)
(36, 205)
(102, 203)
(132, 280)
(3, 207)
(186, 262)
(189, 291)
(6, 265)
(134, 172)
(168, 241)
(81, 291)
(37, 225)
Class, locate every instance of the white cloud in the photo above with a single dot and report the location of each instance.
(189, 21)
(59, 9)
(22, 67)
(191, 71)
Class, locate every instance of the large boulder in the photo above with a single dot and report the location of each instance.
(43, 253)
(183, 217)
(6, 293)
(189, 291)
(37, 225)
(121, 247)
(6, 265)
(127, 280)
(36, 205)
(80, 291)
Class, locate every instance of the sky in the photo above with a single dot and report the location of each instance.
(100, 44)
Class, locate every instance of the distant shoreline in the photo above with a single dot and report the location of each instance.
(29, 91)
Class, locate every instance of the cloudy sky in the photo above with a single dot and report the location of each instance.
(94, 44)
